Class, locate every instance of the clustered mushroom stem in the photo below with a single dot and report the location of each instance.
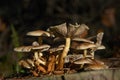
(51, 63)
(64, 54)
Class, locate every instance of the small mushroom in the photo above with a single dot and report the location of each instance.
(85, 46)
(71, 58)
(93, 47)
(83, 61)
(24, 64)
(96, 67)
(39, 34)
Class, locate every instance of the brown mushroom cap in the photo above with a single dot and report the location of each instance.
(83, 61)
(85, 46)
(82, 40)
(71, 58)
(29, 48)
(96, 67)
(39, 33)
(59, 48)
(44, 46)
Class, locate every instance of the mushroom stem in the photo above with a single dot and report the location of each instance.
(81, 66)
(64, 54)
(92, 53)
(40, 40)
(34, 73)
(85, 53)
(51, 63)
(41, 68)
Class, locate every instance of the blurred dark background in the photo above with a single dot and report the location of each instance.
(17, 17)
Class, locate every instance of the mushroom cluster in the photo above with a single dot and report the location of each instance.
(66, 50)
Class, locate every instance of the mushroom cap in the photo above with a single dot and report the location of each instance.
(101, 47)
(58, 30)
(44, 46)
(35, 43)
(82, 40)
(96, 67)
(70, 30)
(83, 61)
(29, 48)
(23, 49)
(39, 33)
(59, 48)
(55, 49)
(71, 58)
(85, 46)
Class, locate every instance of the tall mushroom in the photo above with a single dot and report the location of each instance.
(67, 32)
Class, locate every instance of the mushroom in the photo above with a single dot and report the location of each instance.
(96, 67)
(83, 61)
(93, 47)
(28, 64)
(30, 48)
(39, 34)
(85, 46)
(24, 64)
(67, 32)
(37, 51)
